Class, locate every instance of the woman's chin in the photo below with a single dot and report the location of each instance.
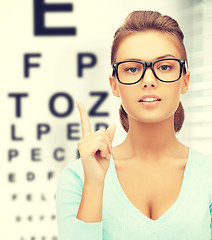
(151, 119)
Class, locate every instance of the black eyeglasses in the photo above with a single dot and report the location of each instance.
(132, 71)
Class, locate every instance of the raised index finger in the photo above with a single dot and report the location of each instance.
(85, 122)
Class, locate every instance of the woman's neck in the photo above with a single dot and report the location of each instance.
(152, 140)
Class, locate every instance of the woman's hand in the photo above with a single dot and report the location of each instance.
(95, 148)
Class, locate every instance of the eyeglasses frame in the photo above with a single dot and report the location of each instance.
(151, 65)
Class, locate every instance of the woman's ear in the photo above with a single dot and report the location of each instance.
(185, 82)
(114, 86)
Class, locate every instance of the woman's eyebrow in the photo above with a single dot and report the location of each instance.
(164, 56)
(167, 55)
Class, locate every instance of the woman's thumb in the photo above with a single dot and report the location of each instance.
(110, 131)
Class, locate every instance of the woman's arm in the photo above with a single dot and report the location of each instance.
(210, 207)
(78, 206)
(90, 209)
(79, 200)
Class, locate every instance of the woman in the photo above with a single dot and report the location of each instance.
(150, 186)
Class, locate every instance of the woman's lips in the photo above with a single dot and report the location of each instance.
(150, 100)
(149, 96)
(150, 103)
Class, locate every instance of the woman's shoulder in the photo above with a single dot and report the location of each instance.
(203, 161)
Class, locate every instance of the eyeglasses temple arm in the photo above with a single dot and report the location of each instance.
(186, 66)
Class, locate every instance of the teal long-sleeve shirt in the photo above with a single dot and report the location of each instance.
(189, 218)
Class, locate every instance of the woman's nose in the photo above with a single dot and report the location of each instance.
(149, 79)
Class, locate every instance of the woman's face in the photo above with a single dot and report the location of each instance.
(148, 46)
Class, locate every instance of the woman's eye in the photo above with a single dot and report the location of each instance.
(132, 70)
(164, 67)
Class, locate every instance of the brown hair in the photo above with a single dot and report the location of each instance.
(144, 21)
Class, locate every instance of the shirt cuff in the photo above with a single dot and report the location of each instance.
(86, 230)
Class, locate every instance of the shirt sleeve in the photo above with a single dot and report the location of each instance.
(68, 197)
(211, 219)
(210, 205)
(209, 170)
